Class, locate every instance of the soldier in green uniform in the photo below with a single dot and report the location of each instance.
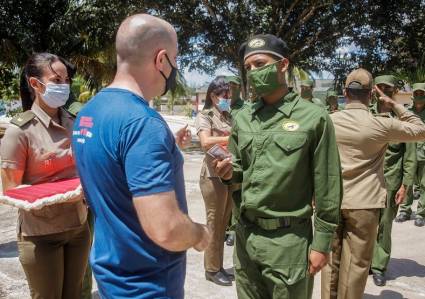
(406, 208)
(332, 101)
(283, 151)
(399, 171)
(307, 92)
(237, 102)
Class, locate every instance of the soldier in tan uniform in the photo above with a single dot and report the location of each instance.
(362, 141)
(213, 126)
(54, 241)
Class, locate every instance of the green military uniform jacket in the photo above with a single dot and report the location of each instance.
(318, 102)
(400, 160)
(283, 154)
(236, 107)
(420, 146)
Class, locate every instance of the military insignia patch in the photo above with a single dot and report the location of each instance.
(290, 125)
(256, 43)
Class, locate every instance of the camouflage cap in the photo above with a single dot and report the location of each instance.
(308, 82)
(359, 79)
(233, 79)
(389, 80)
(331, 93)
(418, 86)
(264, 44)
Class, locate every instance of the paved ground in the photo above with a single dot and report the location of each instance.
(406, 270)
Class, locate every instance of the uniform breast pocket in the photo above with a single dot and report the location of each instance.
(246, 149)
(286, 146)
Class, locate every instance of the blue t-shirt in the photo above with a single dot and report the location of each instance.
(124, 149)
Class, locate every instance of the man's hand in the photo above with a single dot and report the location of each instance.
(183, 137)
(205, 240)
(384, 98)
(400, 196)
(317, 261)
(223, 168)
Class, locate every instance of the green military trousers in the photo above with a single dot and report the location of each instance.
(406, 207)
(382, 249)
(273, 263)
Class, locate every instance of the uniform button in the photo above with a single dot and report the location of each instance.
(288, 147)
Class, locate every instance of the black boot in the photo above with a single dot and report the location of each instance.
(419, 221)
(230, 241)
(402, 217)
(379, 279)
(229, 272)
(218, 278)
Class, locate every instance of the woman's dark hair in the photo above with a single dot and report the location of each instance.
(34, 67)
(217, 86)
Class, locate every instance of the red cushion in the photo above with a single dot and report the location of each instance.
(35, 192)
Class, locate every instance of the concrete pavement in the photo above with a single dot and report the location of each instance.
(406, 270)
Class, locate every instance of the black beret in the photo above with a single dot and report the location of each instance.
(264, 44)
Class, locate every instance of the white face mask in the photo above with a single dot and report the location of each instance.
(55, 95)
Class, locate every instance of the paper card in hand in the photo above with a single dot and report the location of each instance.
(218, 152)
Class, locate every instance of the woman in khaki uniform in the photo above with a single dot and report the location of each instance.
(213, 126)
(53, 242)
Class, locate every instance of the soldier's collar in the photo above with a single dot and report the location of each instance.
(41, 115)
(356, 106)
(46, 119)
(375, 111)
(284, 105)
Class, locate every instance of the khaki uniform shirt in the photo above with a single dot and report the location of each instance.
(283, 154)
(211, 120)
(42, 149)
(362, 142)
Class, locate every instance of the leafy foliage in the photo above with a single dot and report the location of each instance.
(381, 36)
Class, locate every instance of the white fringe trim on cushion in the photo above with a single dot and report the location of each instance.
(42, 202)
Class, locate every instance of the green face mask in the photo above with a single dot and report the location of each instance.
(264, 80)
(419, 98)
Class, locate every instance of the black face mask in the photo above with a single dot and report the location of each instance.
(170, 82)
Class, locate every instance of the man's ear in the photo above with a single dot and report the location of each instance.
(283, 65)
(160, 60)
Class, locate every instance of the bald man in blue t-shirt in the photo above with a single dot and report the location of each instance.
(132, 171)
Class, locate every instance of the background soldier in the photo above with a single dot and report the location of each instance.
(332, 101)
(406, 208)
(235, 94)
(283, 150)
(399, 170)
(307, 92)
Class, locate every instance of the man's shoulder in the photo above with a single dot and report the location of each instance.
(310, 109)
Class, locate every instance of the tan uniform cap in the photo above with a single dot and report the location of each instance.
(359, 79)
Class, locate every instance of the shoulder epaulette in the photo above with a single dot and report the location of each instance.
(207, 112)
(23, 118)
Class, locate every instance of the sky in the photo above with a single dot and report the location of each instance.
(198, 78)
